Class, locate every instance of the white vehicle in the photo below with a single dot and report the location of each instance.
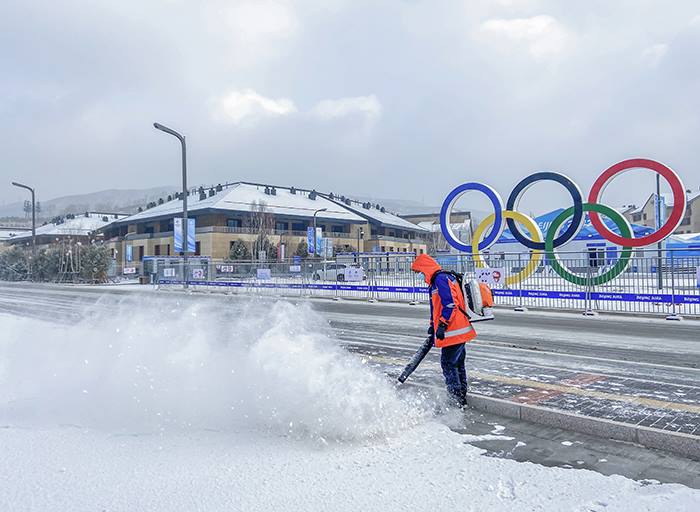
(339, 272)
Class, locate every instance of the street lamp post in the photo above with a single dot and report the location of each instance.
(185, 239)
(360, 234)
(315, 237)
(20, 185)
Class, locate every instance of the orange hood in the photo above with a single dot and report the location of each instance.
(427, 265)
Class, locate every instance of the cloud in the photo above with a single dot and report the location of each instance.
(257, 21)
(655, 54)
(542, 35)
(239, 106)
(367, 107)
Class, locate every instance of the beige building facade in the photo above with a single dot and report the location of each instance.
(645, 215)
(244, 210)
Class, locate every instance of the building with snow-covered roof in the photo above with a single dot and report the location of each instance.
(78, 227)
(461, 222)
(9, 232)
(388, 232)
(240, 211)
(645, 215)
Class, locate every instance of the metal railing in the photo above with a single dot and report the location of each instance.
(647, 285)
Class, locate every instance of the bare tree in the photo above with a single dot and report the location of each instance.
(262, 223)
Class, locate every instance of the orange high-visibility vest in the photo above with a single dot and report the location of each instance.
(459, 329)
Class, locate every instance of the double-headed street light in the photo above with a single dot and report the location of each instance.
(20, 185)
(185, 239)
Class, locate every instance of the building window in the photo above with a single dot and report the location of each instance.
(636, 217)
(168, 250)
(233, 223)
(140, 252)
(298, 226)
(149, 230)
(337, 229)
(198, 248)
(156, 250)
(281, 226)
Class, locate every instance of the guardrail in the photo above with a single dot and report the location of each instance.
(640, 288)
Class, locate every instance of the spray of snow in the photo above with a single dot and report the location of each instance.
(131, 366)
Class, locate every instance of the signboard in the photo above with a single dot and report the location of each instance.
(129, 253)
(310, 240)
(177, 234)
(132, 270)
(354, 274)
(493, 277)
(296, 260)
(262, 255)
(225, 269)
(169, 272)
(319, 241)
(295, 268)
(264, 273)
(197, 273)
(698, 277)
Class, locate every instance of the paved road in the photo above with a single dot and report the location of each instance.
(633, 370)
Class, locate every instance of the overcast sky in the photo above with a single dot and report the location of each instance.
(401, 99)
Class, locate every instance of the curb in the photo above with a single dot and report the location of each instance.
(681, 444)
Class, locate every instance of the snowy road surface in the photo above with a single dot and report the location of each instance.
(144, 402)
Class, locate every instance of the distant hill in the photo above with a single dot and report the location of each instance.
(400, 206)
(128, 201)
(111, 201)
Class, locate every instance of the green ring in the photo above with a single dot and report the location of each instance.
(610, 274)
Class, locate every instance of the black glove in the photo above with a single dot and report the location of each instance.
(431, 330)
(440, 333)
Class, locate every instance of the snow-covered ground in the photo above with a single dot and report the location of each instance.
(152, 407)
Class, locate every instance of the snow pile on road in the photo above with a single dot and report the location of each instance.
(269, 366)
(176, 408)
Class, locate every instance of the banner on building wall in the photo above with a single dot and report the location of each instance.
(698, 277)
(177, 234)
(310, 240)
(129, 253)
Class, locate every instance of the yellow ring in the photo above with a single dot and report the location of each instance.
(535, 234)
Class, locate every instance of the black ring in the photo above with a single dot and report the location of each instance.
(576, 220)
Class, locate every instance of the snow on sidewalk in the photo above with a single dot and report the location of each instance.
(173, 406)
(425, 468)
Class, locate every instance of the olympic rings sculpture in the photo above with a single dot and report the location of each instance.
(555, 237)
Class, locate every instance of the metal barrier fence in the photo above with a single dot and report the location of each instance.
(649, 284)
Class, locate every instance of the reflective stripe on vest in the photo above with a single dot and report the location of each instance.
(458, 332)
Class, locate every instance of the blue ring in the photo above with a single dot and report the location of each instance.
(448, 204)
(576, 220)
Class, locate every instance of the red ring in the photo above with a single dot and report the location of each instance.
(674, 219)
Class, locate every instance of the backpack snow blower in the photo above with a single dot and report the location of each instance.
(478, 301)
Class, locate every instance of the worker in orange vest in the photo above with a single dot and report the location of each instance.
(449, 324)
